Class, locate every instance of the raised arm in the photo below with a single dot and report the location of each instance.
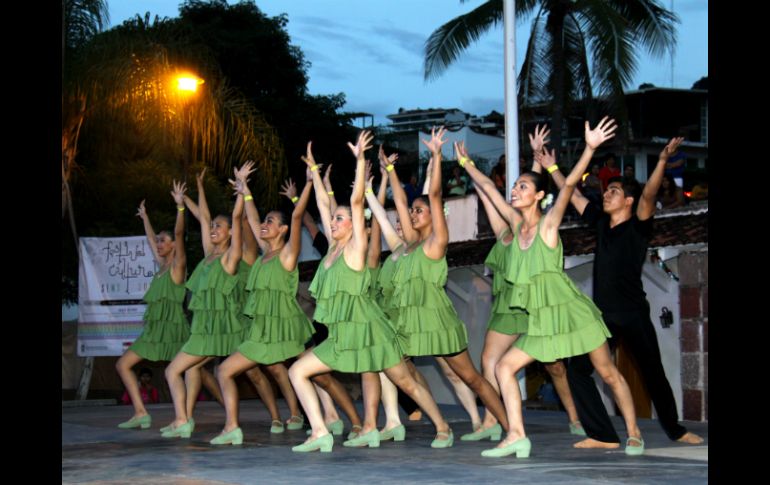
(537, 141)
(381, 217)
(355, 250)
(399, 196)
(549, 230)
(232, 256)
(252, 213)
(329, 190)
(499, 225)
(142, 213)
(204, 217)
(290, 252)
(375, 239)
(179, 265)
(428, 171)
(321, 197)
(481, 181)
(548, 161)
(435, 245)
(646, 207)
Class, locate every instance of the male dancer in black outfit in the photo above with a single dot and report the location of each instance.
(623, 236)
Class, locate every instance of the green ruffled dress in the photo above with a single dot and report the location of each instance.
(165, 327)
(563, 322)
(278, 328)
(361, 338)
(218, 323)
(503, 319)
(426, 322)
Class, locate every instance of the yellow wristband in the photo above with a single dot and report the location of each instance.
(248, 197)
(180, 208)
(552, 168)
(331, 192)
(389, 168)
(314, 168)
(463, 160)
(369, 191)
(294, 199)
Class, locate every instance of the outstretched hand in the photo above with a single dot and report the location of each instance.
(538, 140)
(246, 169)
(435, 142)
(363, 143)
(545, 158)
(671, 148)
(603, 132)
(460, 150)
(199, 177)
(178, 192)
(142, 212)
(288, 189)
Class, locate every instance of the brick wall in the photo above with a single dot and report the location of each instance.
(693, 298)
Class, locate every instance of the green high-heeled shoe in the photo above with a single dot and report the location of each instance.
(325, 444)
(634, 450)
(234, 437)
(493, 433)
(577, 429)
(295, 423)
(144, 422)
(182, 431)
(170, 427)
(443, 443)
(521, 447)
(396, 434)
(276, 427)
(355, 430)
(336, 428)
(371, 439)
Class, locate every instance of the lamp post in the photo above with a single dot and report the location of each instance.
(187, 86)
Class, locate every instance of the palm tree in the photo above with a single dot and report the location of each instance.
(565, 33)
(81, 21)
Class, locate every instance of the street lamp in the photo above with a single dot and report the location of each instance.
(187, 85)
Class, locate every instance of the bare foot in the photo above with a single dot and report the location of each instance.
(592, 443)
(415, 416)
(690, 438)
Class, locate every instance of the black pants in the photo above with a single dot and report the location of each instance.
(638, 335)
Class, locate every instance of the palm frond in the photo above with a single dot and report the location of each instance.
(450, 40)
(653, 25)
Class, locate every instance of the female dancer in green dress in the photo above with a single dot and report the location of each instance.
(361, 338)
(505, 323)
(165, 328)
(426, 321)
(217, 304)
(562, 321)
(278, 329)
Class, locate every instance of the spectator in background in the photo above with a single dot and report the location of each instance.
(629, 172)
(498, 175)
(412, 189)
(148, 392)
(669, 194)
(608, 171)
(700, 191)
(675, 168)
(458, 183)
(592, 185)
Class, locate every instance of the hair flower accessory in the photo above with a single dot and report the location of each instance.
(367, 213)
(547, 200)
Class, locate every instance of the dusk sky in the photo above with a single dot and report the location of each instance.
(373, 51)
